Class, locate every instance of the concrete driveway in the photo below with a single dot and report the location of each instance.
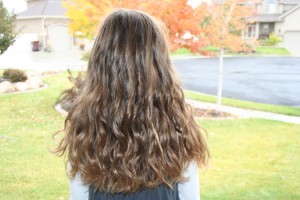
(42, 61)
(270, 80)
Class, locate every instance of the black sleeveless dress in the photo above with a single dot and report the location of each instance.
(161, 192)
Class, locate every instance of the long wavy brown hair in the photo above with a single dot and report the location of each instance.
(130, 127)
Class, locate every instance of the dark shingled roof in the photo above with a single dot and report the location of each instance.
(45, 8)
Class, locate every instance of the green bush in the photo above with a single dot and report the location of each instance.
(14, 75)
(86, 55)
(272, 40)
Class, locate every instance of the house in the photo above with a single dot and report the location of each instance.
(44, 23)
(281, 17)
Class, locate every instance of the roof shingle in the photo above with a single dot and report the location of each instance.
(45, 8)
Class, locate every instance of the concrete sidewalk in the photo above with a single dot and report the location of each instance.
(245, 113)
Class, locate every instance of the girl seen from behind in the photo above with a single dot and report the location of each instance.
(130, 134)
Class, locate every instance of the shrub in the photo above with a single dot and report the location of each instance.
(249, 47)
(48, 48)
(67, 97)
(14, 75)
(86, 55)
(272, 40)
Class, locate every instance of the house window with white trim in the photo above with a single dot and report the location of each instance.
(269, 6)
(250, 31)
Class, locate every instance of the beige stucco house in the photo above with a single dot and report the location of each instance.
(45, 21)
(281, 17)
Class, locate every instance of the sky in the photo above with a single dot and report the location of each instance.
(15, 5)
(20, 5)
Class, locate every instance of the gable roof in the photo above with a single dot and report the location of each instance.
(275, 17)
(289, 12)
(50, 8)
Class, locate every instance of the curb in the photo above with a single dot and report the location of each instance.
(245, 113)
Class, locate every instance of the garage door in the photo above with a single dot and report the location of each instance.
(292, 42)
(59, 38)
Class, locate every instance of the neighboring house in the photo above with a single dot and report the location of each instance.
(281, 17)
(45, 21)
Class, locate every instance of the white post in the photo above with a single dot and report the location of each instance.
(220, 79)
(256, 30)
(44, 33)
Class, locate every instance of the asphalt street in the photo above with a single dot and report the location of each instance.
(273, 80)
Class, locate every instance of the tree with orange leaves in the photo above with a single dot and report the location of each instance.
(220, 24)
(224, 28)
(182, 21)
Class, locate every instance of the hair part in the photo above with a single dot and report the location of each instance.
(130, 127)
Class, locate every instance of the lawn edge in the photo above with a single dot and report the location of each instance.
(278, 109)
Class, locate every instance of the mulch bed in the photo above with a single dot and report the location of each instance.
(210, 113)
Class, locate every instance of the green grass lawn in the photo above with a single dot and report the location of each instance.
(251, 159)
(27, 169)
(286, 110)
(184, 51)
(267, 50)
(181, 52)
(260, 51)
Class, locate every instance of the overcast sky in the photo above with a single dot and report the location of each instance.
(15, 5)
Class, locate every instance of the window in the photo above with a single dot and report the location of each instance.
(265, 29)
(270, 1)
(269, 6)
(250, 31)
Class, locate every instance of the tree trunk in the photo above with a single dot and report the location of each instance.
(220, 79)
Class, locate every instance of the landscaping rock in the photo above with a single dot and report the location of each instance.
(46, 73)
(40, 73)
(21, 86)
(2, 79)
(35, 83)
(6, 86)
(33, 74)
